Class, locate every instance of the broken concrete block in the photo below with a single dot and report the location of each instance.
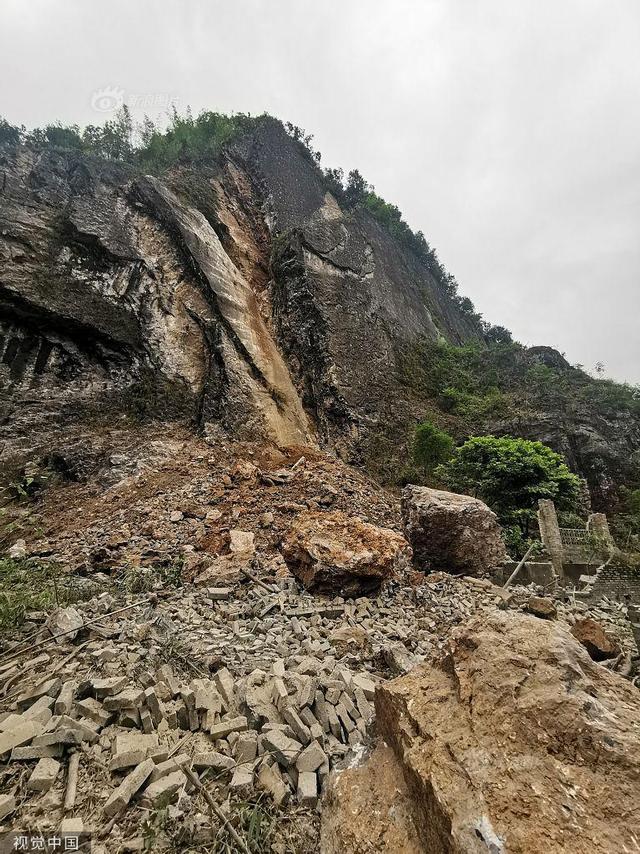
(19, 734)
(108, 687)
(24, 754)
(63, 736)
(130, 718)
(7, 805)
(64, 703)
(87, 729)
(225, 684)
(343, 717)
(364, 706)
(165, 675)
(206, 695)
(271, 782)
(367, 685)
(51, 688)
(214, 760)
(153, 704)
(345, 700)
(301, 731)
(311, 758)
(286, 750)
(307, 789)
(242, 779)
(146, 721)
(72, 827)
(93, 710)
(127, 789)
(164, 791)
(131, 748)
(43, 775)
(218, 594)
(279, 693)
(246, 747)
(168, 766)
(130, 698)
(222, 729)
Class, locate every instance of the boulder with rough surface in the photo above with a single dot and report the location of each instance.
(451, 532)
(595, 640)
(333, 551)
(514, 741)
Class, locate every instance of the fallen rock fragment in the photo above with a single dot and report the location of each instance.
(43, 775)
(66, 622)
(513, 700)
(595, 640)
(333, 551)
(451, 532)
(128, 788)
(541, 607)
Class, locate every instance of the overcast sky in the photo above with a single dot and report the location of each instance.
(507, 130)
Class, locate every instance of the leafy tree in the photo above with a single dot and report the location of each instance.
(511, 474)
(357, 189)
(431, 447)
(63, 137)
(497, 334)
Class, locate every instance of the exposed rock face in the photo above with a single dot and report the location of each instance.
(237, 295)
(514, 742)
(451, 532)
(368, 808)
(333, 551)
(595, 640)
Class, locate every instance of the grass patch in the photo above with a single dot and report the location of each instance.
(31, 585)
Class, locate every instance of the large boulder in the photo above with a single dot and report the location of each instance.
(333, 551)
(451, 532)
(514, 741)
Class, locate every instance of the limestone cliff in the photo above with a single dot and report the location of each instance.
(237, 295)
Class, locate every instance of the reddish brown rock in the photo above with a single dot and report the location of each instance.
(358, 816)
(451, 532)
(514, 741)
(595, 640)
(541, 607)
(333, 551)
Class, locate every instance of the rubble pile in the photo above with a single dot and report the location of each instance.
(513, 740)
(196, 666)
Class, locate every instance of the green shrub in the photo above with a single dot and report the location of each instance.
(511, 475)
(430, 447)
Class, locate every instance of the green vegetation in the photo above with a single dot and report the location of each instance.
(511, 475)
(430, 447)
(31, 585)
(476, 384)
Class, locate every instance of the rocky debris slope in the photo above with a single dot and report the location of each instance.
(451, 532)
(226, 678)
(514, 740)
(258, 688)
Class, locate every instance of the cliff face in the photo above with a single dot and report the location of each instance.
(237, 297)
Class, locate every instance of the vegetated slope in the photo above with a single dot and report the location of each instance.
(246, 291)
